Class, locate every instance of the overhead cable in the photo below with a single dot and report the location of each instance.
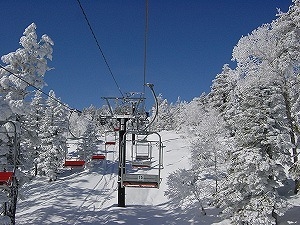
(99, 47)
(145, 43)
(38, 89)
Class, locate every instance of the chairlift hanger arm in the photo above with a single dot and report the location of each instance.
(156, 104)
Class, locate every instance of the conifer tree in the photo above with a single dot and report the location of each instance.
(31, 140)
(53, 137)
(249, 192)
(266, 119)
(222, 95)
(165, 119)
(87, 147)
(25, 67)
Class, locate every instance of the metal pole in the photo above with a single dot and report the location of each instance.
(122, 161)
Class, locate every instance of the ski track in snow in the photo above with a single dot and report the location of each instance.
(90, 196)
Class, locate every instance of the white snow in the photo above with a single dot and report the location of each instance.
(90, 196)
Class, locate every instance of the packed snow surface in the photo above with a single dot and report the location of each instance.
(89, 196)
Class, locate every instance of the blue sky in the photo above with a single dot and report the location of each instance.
(188, 43)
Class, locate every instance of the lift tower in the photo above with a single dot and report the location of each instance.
(123, 112)
(132, 119)
(122, 158)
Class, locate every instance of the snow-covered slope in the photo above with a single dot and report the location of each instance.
(90, 196)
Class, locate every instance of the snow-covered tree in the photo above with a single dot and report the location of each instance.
(222, 95)
(25, 67)
(187, 189)
(31, 139)
(164, 120)
(210, 147)
(266, 120)
(53, 139)
(249, 192)
(286, 64)
(193, 111)
(178, 111)
(87, 147)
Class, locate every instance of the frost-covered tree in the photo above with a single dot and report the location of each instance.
(31, 140)
(187, 189)
(266, 120)
(164, 119)
(193, 111)
(222, 95)
(287, 64)
(249, 192)
(273, 50)
(87, 147)
(24, 67)
(222, 87)
(178, 110)
(209, 147)
(53, 138)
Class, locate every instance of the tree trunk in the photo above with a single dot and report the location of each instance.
(35, 169)
(13, 202)
(292, 134)
(275, 216)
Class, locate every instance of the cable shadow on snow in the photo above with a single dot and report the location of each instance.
(146, 215)
(76, 201)
(137, 215)
(61, 201)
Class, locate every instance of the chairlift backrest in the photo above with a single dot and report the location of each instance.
(98, 156)
(74, 163)
(6, 177)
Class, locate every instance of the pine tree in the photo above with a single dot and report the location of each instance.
(165, 119)
(222, 95)
(25, 67)
(267, 61)
(210, 146)
(286, 64)
(87, 147)
(31, 139)
(53, 140)
(249, 192)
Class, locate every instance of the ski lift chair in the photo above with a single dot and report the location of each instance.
(143, 180)
(141, 152)
(6, 178)
(108, 139)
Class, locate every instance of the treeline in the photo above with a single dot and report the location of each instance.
(245, 131)
(34, 125)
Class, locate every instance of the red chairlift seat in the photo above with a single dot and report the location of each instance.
(6, 177)
(74, 163)
(98, 156)
(140, 184)
(110, 143)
